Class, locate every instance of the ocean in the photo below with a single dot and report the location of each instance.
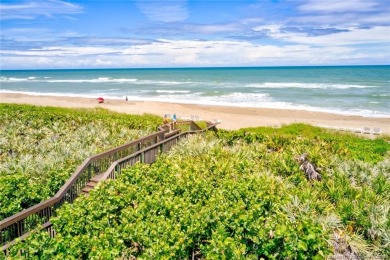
(347, 90)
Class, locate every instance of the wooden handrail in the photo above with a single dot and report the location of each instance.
(85, 164)
(16, 225)
(113, 166)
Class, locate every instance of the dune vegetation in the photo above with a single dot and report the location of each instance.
(233, 195)
(40, 147)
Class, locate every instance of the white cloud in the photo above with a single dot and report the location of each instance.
(321, 33)
(378, 34)
(346, 19)
(164, 11)
(337, 6)
(60, 51)
(32, 10)
(170, 53)
(358, 13)
(272, 30)
(214, 28)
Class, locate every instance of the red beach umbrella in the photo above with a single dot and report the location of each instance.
(100, 100)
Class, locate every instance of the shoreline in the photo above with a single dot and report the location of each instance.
(231, 117)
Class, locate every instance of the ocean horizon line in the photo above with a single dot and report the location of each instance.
(206, 67)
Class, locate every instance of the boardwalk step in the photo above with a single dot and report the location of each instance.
(91, 184)
(87, 189)
(96, 178)
(84, 193)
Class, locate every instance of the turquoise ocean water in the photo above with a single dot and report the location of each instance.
(349, 90)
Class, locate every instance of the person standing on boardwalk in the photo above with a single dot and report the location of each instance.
(166, 121)
(174, 120)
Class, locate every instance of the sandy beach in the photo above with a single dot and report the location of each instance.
(231, 117)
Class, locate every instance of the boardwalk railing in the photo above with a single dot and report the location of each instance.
(111, 162)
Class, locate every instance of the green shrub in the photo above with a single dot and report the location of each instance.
(40, 147)
(234, 195)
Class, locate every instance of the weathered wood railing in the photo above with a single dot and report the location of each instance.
(144, 150)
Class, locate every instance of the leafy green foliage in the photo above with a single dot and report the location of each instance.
(356, 173)
(40, 147)
(234, 195)
(346, 145)
(213, 202)
(202, 124)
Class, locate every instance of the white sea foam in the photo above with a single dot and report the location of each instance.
(382, 95)
(162, 82)
(95, 80)
(172, 91)
(250, 99)
(265, 85)
(233, 99)
(112, 90)
(49, 80)
(305, 85)
(12, 79)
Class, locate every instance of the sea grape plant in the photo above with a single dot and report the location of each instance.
(40, 147)
(234, 195)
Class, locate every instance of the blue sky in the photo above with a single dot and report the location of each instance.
(37, 34)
